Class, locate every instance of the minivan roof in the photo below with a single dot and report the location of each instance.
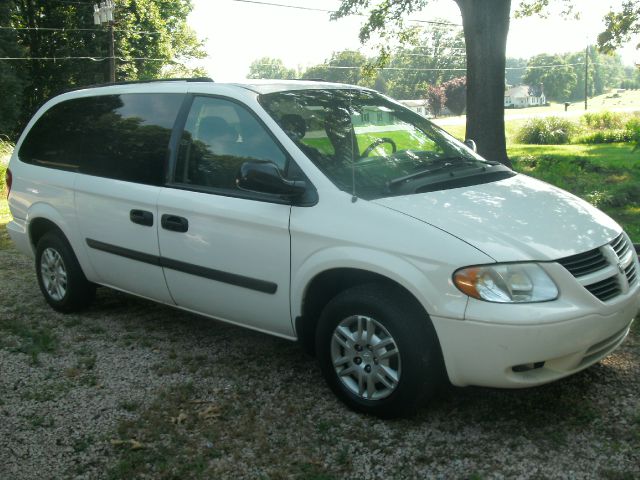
(203, 83)
(271, 86)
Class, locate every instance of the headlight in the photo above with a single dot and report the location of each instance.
(507, 283)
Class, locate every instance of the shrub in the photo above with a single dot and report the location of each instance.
(632, 129)
(604, 136)
(456, 94)
(604, 120)
(5, 146)
(546, 131)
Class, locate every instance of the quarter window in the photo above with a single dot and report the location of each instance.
(219, 136)
(124, 137)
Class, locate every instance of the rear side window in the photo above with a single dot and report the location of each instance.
(124, 137)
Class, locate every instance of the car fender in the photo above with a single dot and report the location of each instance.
(48, 212)
(394, 267)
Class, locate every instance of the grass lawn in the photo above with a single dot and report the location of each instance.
(5, 216)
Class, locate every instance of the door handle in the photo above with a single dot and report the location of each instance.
(174, 223)
(141, 217)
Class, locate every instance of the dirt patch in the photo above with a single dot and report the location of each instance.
(131, 389)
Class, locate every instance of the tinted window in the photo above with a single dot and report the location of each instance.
(218, 137)
(117, 136)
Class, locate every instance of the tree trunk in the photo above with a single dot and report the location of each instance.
(486, 25)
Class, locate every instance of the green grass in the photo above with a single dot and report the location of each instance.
(5, 216)
(31, 340)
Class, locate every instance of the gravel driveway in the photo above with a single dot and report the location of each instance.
(131, 389)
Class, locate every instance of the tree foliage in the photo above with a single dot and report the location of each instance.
(267, 67)
(436, 99)
(435, 55)
(144, 29)
(346, 66)
(11, 75)
(558, 82)
(620, 26)
(456, 95)
(566, 81)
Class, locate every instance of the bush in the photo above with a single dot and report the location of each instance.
(632, 129)
(604, 136)
(604, 120)
(546, 131)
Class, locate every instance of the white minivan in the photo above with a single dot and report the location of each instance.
(327, 214)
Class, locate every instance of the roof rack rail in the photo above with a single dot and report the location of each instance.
(154, 80)
(133, 82)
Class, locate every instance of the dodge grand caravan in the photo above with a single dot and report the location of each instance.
(323, 213)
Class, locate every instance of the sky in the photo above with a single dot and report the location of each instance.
(238, 32)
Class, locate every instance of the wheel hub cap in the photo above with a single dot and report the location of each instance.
(366, 357)
(53, 274)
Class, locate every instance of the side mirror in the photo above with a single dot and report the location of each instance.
(265, 177)
(471, 144)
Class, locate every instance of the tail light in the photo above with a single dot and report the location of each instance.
(8, 180)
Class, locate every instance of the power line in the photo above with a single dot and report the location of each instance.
(61, 29)
(534, 67)
(336, 67)
(313, 9)
(70, 2)
(95, 59)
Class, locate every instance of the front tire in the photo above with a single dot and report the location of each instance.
(60, 277)
(378, 350)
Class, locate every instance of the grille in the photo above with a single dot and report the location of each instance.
(620, 245)
(631, 273)
(605, 289)
(584, 263)
(594, 260)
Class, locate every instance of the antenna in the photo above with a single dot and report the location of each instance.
(353, 142)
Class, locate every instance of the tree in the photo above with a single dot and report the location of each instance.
(620, 26)
(346, 66)
(485, 24)
(151, 39)
(514, 70)
(267, 67)
(558, 81)
(456, 94)
(433, 56)
(11, 76)
(436, 97)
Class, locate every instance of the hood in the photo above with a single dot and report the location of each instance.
(518, 218)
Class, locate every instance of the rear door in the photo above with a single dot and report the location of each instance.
(123, 143)
(226, 251)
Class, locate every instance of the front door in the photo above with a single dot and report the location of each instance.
(225, 252)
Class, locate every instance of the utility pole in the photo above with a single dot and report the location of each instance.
(586, 76)
(103, 15)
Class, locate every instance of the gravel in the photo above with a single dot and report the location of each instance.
(131, 389)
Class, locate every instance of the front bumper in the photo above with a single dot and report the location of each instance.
(485, 354)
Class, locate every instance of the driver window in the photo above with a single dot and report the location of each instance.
(218, 137)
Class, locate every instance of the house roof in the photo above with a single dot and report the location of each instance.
(414, 103)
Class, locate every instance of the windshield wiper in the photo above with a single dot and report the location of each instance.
(448, 165)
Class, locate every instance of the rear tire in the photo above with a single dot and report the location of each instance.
(378, 350)
(60, 277)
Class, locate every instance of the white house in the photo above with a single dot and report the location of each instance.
(419, 106)
(523, 96)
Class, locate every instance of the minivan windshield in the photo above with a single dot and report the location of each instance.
(373, 147)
